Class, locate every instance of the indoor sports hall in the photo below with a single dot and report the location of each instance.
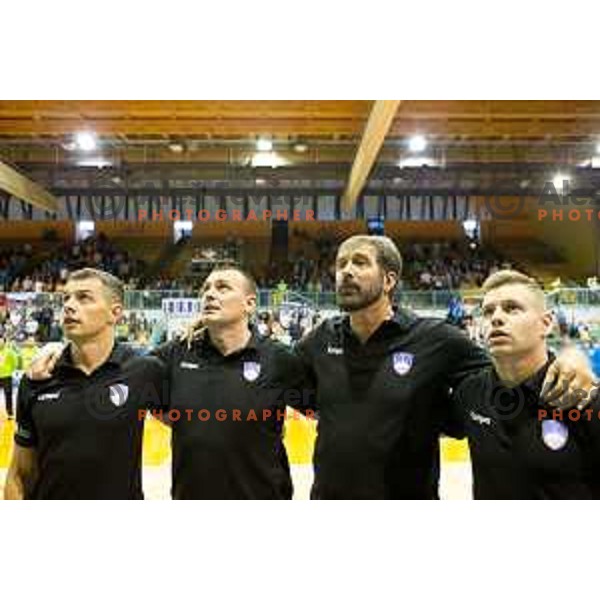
(160, 193)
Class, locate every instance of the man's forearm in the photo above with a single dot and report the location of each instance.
(21, 477)
(14, 488)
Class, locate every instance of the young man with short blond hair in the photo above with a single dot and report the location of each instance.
(520, 448)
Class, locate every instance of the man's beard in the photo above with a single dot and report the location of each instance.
(359, 299)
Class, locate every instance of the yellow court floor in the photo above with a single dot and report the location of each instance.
(299, 439)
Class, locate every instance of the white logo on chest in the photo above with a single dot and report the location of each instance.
(402, 362)
(119, 393)
(554, 434)
(251, 370)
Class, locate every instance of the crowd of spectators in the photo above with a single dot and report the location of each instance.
(23, 321)
(432, 266)
(229, 250)
(427, 266)
(22, 271)
(449, 266)
(13, 261)
(138, 328)
(311, 269)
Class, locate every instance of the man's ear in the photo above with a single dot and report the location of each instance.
(548, 321)
(116, 312)
(251, 305)
(390, 281)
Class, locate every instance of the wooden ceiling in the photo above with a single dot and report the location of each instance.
(572, 121)
(144, 132)
(219, 119)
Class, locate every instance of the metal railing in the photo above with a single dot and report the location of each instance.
(575, 297)
(139, 300)
(414, 299)
(434, 299)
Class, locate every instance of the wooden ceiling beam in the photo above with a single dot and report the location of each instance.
(378, 124)
(21, 187)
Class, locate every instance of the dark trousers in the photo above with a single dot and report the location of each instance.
(6, 385)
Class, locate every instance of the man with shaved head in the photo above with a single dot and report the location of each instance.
(521, 449)
(227, 403)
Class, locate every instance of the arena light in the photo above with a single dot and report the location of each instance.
(471, 227)
(417, 161)
(183, 225)
(264, 145)
(300, 147)
(182, 230)
(417, 143)
(267, 159)
(97, 161)
(86, 141)
(559, 180)
(176, 147)
(69, 146)
(84, 229)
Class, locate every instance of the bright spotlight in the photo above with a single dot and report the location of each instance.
(417, 143)
(559, 180)
(264, 145)
(85, 141)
